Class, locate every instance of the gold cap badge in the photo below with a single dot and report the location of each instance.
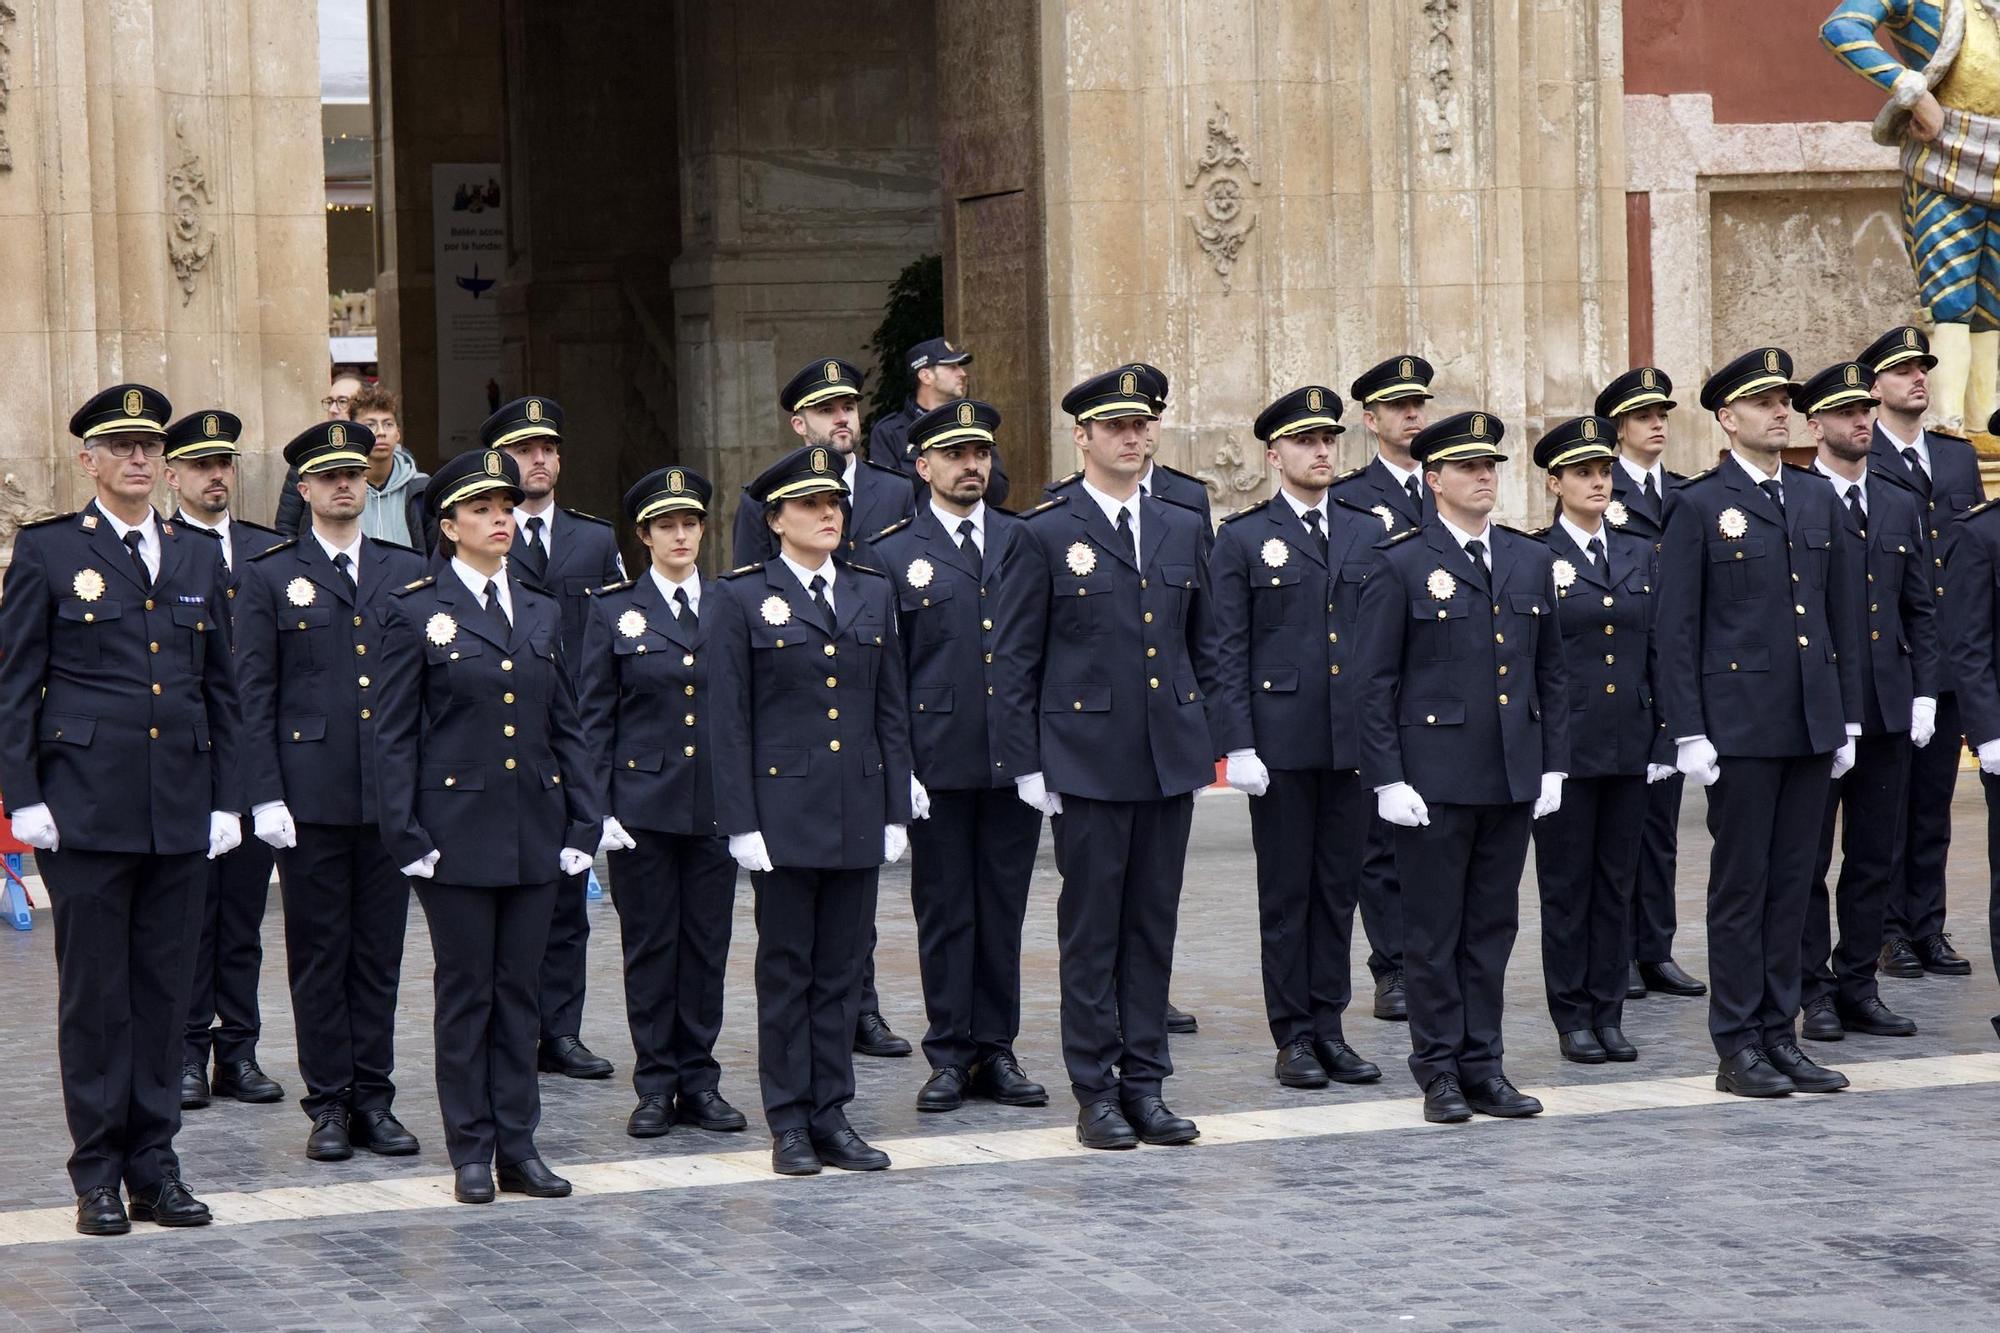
(135, 402)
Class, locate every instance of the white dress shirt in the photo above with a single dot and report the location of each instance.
(668, 588)
(1484, 536)
(1921, 444)
(352, 551)
(950, 522)
(149, 537)
(828, 571)
(1841, 485)
(1111, 507)
(477, 582)
(1584, 539)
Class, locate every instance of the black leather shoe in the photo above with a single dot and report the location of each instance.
(1750, 1073)
(1939, 959)
(1875, 1018)
(1444, 1104)
(1821, 1021)
(169, 1203)
(1668, 978)
(1615, 1046)
(872, 1036)
(100, 1212)
(1298, 1067)
(706, 1109)
(329, 1141)
(1341, 1063)
(1103, 1125)
(944, 1090)
(473, 1184)
(1635, 984)
(1806, 1076)
(848, 1151)
(1899, 960)
(569, 1057)
(1391, 1005)
(245, 1082)
(999, 1078)
(534, 1179)
(1580, 1047)
(652, 1117)
(194, 1088)
(1179, 1022)
(381, 1133)
(792, 1154)
(1497, 1097)
(1154, 1123)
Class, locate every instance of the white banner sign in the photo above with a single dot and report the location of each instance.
(469, 251)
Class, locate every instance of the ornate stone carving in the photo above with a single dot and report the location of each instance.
(1439, 93)
(1226, 477)
(1225, 221)
(16, 508)
(189, 242)
(6, 83)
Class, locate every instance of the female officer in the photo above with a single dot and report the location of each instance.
(486, 795)
(812, 788)
(643, 688)
(1587, 852)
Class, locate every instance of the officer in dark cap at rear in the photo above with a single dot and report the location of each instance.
(1758, 689)
(308, 621)
(939, 368)
(222, 1014)
(119, 766)
(1465, 741)
(1638, 403)
(1287, 576)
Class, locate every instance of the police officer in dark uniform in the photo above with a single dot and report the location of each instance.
(118, 763)
(308, 615)
(1286, 576)
(973, 846)
(644, 690)
(1899, 675)
(1758, 689)
(1392, 396)
(1587, 851)
(1972, 610)
(812, 788)
(1107, 654)
(566, 553)
(201, 473)
(1464, 740)
(1941, 472)
(939, 367)
(1638, 402)
(487, 799)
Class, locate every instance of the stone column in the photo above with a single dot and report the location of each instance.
(161, 220)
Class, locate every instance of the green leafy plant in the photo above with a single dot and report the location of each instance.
(913, 312)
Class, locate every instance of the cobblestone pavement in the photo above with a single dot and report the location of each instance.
(1663, 1206)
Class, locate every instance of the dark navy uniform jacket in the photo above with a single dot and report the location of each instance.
(1464, 690)
(642, 681)
(947, 610)
(246, 542)
(1758, 648)
(479, 754)
(1952, 488)
(1894, 604)
(810, 727)
(1607, 635)
(881, 496)
(1971, 622)
(120, 701)
(1374, 489)
(889, 445)
(1285, 629)
(1165, 483)
(583, 556)
(1643, 517)
(308, 651)
(1106, 666)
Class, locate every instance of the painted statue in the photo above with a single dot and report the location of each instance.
(1941, 70)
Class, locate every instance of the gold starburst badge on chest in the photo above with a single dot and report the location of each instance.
(88, 585)
(632, 624)
(1441, 585)
(1731, 523)
(1276, 553)
(1565, 575)
(775, 610)
(1080, 558)
(1616, 514)
(919, 574)
(299, 592)
(1387, 516)
(440, 629)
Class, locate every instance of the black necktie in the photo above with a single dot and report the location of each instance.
(966, 544)
(1318, 536)
(1477, 550)
(1416, 493)
(818, 586)
(132, 540)
(1854, 508)
(1916, 462)
(1652, 494)
(497, 609)
(1775, 491)
(1596, 553)
(1125, 534)
(345, 564)
(534, 555)
(684, 610)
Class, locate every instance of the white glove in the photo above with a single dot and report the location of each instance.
(1246, 773)
(750, 852)
(272, 822)
(225, 833)
(920, 801)
(1923, 721)
(1551, 799)
(1399, 804)
(1032, 789)
(1989, 761)
(1659, 773)
(423, 867)
(614, 838)
(572, 862)
(36, 827)
(1698, 761)
(895, 841)
(1843, 758)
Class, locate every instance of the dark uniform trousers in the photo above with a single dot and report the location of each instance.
(675, 894)
(1653, 915)
(1587, 855)
(1914, 906)
(1306, 890)
(230, 957)
(1869, 801)
(812, 926)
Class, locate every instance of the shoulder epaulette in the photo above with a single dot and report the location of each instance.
(588, 518)
(884, 467)
(1520, 532)
(1673, 477)
(1402, 536)
(612, 587)
(859, 568)
(1980, 508)
(741, 570)
(1060, 482)
(1539, 534)
(167, 526)
(1348, 476)
(1947, 434)
(1348, 504)
(1045, 506)
(1794, 467)
(897, 526)
(393, 546)
(1246, 511)
(1701, 476)
(53, 518)
(410, 587)
(273, 550)
(1184, 476)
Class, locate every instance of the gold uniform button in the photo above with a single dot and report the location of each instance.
(1802, 641)
(1076, 706)
(364, 682)
(1333, 638)
(357, 622)
(1798, 610)
(1739, 556)
(687, 719)
(153, 732)
(1496, 608)
(1498, 638)
(506, 664)
(1503, 669)
(989, 659)
(1610, 659)
(1148, 617)
(510, 764)
(1503, 698)
(831, 682)
(832, 715)
(1874, 633)
(1152, 682)
(1611, 689)
(1874, 606)
(781, 643)
(365, 715)
(833, 746)
(1608, 602)
(828, 650)
(1940, 592)
(631, 763)
(152, 647)
(1430, 719)
(90, 616)
(687, 659)
(1609, 629)
(1795, 577)
(156, 690)
(1152, 652)
(507, 698)
(685, 689)
(302, 624)
(986, 624)
(989, 691)
(230, 594)
(688, 750)
(1732, 666)
(149, 603)
(1267, 684)
(451, 782)
(507, 730)
(295, 735)
(360, 649)
(1334, 669)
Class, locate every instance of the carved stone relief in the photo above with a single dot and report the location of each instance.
(7, 15)
(17, 508)
(1438, 91)
(1227, 478)
(190, 243)
(1225, 219)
